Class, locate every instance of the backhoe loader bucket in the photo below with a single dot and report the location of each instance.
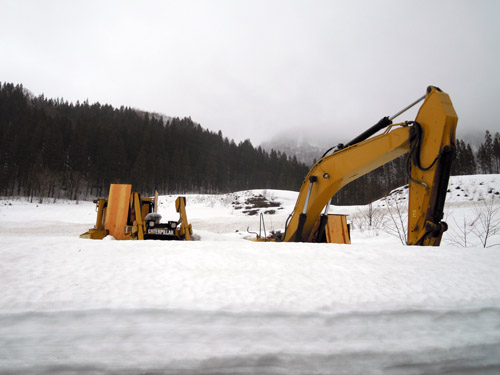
(98, 232)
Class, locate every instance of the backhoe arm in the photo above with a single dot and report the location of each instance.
(433, 149)
(430, 140)
(333, 172)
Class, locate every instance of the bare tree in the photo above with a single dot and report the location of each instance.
(460, 232)
(398, 215)
(371, 214)
(369, 218)
(487, 222)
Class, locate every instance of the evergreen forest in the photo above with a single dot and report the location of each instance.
(50, 148)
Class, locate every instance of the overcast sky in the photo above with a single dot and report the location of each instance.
(257, 69)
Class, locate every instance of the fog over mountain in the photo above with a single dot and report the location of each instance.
(309, 145)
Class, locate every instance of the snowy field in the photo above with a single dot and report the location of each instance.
(225, 305)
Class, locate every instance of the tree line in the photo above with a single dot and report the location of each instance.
(52, 148)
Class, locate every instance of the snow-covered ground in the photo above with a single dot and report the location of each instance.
(224, 305)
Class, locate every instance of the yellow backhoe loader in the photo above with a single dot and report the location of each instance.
(429, 142)
(128, 216)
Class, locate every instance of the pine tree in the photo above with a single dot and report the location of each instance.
(464, 163)
(496, 153)
(485, 154)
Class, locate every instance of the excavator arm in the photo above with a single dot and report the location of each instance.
(430, 143)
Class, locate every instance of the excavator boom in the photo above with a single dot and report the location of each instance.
(430, 143)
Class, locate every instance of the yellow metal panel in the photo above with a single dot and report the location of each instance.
(101, 211)
(138, 217)
(185, 229)
(439, 122)
(117, 210)
(336, 229)
(145, 210)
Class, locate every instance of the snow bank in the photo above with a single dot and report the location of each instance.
(224, 305)
(240, 307)
(240, 276)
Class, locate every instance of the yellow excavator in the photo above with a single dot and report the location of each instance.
(429, 142)
(128, 216)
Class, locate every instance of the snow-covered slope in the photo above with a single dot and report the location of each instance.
(462, 189)
(224, 305)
